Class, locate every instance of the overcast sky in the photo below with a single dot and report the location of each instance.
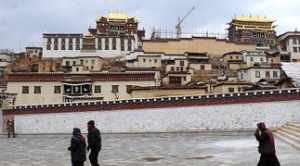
(22, 22)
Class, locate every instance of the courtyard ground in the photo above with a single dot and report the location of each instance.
(185, 149)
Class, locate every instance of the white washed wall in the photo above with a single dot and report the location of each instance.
(1, 121)
(222, 117)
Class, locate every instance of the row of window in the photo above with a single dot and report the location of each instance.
(296, 49)
(74, 63)
(77, 44)
(150, 60)
(252, 59)
(231, 90)
(38, 89)
(57, 89)
(296, 41)
(268, 74)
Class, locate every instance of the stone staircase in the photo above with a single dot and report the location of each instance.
(289, 133)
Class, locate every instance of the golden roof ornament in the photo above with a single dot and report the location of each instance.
(252, 18)
(117, 15)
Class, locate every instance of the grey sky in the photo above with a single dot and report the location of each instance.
(22, 22)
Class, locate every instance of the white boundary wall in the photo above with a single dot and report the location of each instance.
(1, 121)
(216, 117)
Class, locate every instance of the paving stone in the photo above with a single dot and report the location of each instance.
(145, 149)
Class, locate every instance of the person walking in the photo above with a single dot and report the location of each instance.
(10, 126)
(77, 148)
(94, 143)
(266, 146)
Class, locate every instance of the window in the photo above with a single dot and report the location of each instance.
(129, 45)
(177, 68)
(106, 44)
(49, 44)
(184, 78)
(71, 44)
(115, 89)
(77, 44)
(63, 44)
(74, 63)
(236, 57)
(202, 67)
(155, 60)
(150, 60)
(239, 89)
(99, 44)
(97, 89)
(275, 74)
(57, 89)
(261, 59)
(37, 90)
(295, 49)
(25, 89)
(55, 44)
(92, 67)
(257, 74)
(77, 69)
(294, 41)
(231, 57)
(251, 59)
(122, 44)
(172, 68)
(81, 61)
(267, 74)
(231, 90)
(114, 44)
(67, 63)
(144, 60)
(181, 63)
(93, 61)
(57, 66)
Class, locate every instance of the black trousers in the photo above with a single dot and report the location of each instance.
(94, 157)
(78, 163)
(268, 160)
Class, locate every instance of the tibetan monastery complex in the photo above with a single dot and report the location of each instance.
(114, 60)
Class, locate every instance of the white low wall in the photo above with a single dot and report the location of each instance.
(1, 121)
(216, 117)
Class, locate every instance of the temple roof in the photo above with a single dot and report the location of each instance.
(252, 18)
(117, 15)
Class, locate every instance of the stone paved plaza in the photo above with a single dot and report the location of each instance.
(145, 149)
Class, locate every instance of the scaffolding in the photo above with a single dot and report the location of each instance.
(160, 34)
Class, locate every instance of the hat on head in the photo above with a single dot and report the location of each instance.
(91, 122)
(76, 131)
(261, 126)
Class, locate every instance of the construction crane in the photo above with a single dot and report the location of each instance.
(180, 20)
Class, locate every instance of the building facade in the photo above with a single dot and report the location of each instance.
(82, 64)
(212, 46)
(252, 29)
(256, 73)
(289, 46)
(114, 35)
(47, 88)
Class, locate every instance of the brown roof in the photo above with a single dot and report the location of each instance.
(120, 76)
(166, 87)
(233, 83)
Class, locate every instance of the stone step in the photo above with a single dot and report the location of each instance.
(288, 136)
(287, 140)
(292, 127)
(291, 131)
(297, 125)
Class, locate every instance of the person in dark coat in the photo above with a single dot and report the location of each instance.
(77, 148)
(94, 143)
(266, 146)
